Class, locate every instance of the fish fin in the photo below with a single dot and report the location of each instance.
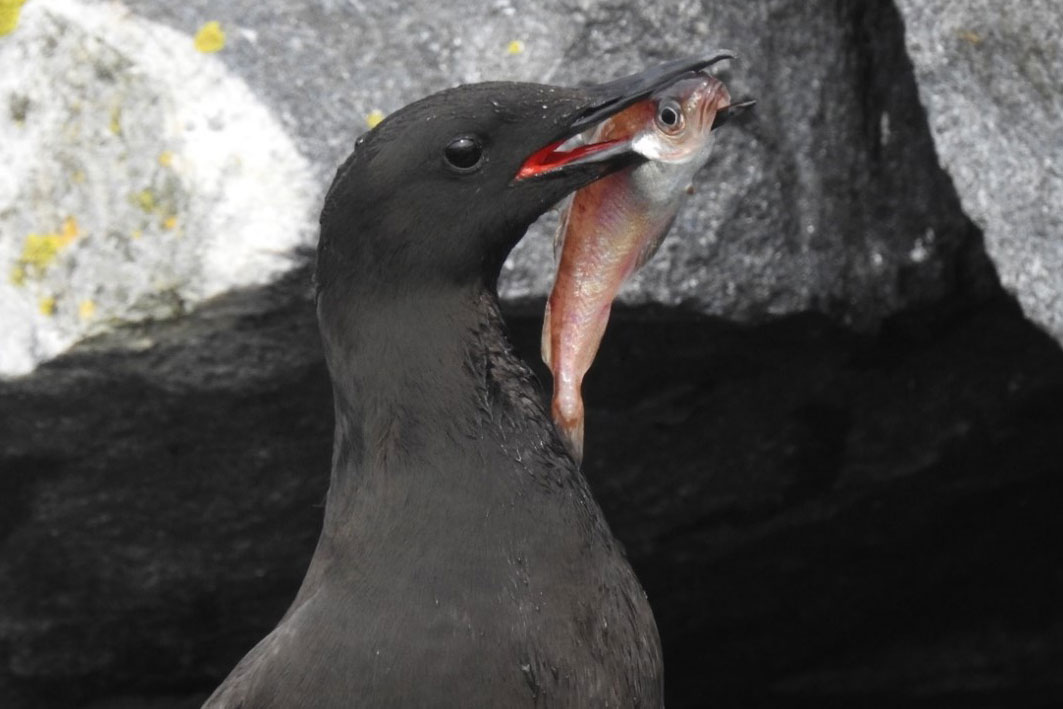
(546, 340)
(649, 248)
(562, 227)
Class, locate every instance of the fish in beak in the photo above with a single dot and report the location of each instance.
(568, 150)
(610, 228)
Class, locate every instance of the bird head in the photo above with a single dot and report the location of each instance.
(440, 191)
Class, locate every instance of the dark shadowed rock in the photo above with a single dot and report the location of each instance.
(162, 487)
(816, 515)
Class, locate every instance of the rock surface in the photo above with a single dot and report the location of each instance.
(989, 79)
(137, 178)
(797, 211)
(853, 504)
(828, 200)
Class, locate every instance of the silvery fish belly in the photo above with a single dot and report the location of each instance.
(612, 227)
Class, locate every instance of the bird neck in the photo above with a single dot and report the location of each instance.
(425, 387)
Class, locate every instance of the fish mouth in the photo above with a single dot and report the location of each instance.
(561, 156)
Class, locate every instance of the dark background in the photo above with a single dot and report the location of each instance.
(840, 486)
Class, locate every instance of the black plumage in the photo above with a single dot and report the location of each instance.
(463, 560)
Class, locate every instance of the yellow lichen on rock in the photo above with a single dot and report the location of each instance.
(115, 125)
(9, 12)
(515, 47)
(210, 37)
(166, 158)
(70, 230)
(170, 222)
(145, 199)
(46, 305)
(373, 119)
(39, 250)
(86, 309)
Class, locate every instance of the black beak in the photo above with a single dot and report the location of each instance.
(735, 109)
(608, 99)
(612, 97)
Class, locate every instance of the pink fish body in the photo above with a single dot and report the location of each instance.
(613, 226)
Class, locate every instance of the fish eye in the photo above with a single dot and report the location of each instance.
(669, 117)
(464, 153)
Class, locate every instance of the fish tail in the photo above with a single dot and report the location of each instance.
(575, 441)
(572, 434)
(569, 416)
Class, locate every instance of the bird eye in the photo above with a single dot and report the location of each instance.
(669, 117)
(464, 153)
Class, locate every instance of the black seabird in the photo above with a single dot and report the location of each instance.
(463, 561)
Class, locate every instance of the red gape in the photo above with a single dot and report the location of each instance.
(550, 158)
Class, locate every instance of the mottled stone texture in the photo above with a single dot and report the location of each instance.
(828, 198)
(138, 177)
(989, 77)
(854, 503)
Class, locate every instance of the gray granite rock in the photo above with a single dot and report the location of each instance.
(989, 77)
(828, 198)
(138, 177)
